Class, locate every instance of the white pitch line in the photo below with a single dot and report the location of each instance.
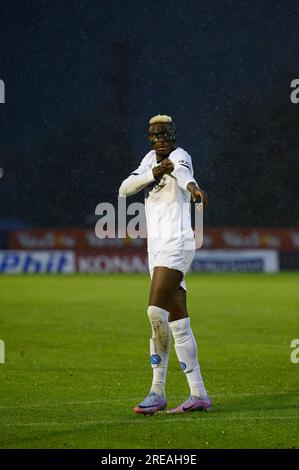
(151, 421)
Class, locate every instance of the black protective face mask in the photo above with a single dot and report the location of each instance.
(168, 135)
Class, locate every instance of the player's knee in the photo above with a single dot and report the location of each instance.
(157, 316)
(180, 330)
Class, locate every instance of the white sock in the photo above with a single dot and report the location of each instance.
(159, 347)
(186, 350)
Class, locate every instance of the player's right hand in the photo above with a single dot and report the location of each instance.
(165, 167)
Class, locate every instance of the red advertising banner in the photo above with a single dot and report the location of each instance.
(122, 260)
(86, 239)
(75, 239)
(250, 238)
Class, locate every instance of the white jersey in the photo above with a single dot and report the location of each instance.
(167, 202)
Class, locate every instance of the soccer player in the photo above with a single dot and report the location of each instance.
(166, 174)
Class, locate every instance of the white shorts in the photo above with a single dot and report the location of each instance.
(179, 260)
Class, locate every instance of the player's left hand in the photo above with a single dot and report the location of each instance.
(197, 193)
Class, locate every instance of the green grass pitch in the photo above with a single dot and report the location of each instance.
(77, 362)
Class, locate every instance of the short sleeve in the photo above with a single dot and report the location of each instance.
(183, 169)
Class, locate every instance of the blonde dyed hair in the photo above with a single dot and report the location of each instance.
(160, 118)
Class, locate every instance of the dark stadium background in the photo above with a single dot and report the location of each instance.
(81, 81)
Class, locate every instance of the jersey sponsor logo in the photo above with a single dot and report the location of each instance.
(159, 184)
(155, 186)
(155, 359)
